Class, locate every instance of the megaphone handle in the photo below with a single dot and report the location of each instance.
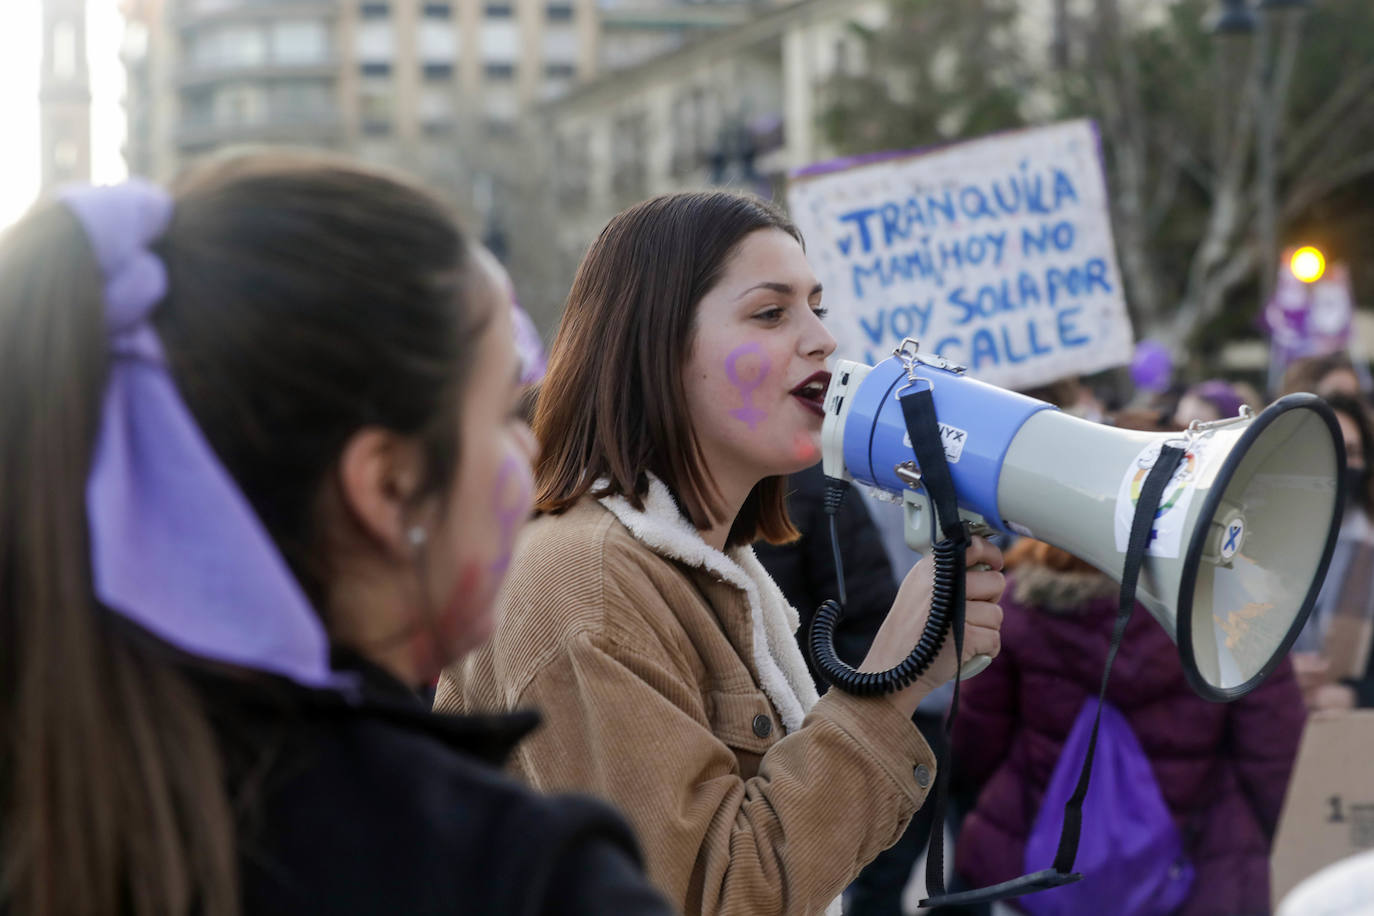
(979, 663)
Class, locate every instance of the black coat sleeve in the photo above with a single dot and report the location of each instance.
(599, 877)
(575, 856)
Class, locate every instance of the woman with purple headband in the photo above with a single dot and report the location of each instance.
(260, 477)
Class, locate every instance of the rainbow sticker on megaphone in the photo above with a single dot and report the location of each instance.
(1166, 536)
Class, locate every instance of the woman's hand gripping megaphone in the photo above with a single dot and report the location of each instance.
(906, 621)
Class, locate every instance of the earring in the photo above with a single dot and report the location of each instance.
(417, 535)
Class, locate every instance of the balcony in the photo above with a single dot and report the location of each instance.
(191, 13)
(197, 75)
(270, 126)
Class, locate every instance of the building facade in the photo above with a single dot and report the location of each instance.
(64, 95)
(738, 110)
(436, 89)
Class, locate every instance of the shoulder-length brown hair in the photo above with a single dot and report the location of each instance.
(612, 405)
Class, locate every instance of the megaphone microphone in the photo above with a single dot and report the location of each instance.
(1223, 532)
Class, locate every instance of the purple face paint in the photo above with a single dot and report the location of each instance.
(747, 385)
(511, 510)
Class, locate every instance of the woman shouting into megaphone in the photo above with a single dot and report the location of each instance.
(686, 381)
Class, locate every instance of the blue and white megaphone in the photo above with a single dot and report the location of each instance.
(1240, 543)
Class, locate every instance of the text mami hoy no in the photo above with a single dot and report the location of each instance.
(909, 243)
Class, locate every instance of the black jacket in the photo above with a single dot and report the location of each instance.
(384, 807)
(805, 569)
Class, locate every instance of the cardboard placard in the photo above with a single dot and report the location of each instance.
(995, 253)
(1328, 813)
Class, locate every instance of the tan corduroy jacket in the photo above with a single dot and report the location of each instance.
(643, 665)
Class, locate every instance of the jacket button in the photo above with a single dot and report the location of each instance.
(763, 726)
(922, 774)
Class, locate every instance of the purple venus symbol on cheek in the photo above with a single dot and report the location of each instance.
(747, 383)
(511, 509)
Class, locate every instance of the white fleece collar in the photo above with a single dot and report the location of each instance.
(782, 671)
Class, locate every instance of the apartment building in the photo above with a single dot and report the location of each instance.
(64, 95)
(434, 88)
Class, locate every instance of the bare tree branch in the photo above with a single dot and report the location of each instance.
(1317, 130)
(1318, 187)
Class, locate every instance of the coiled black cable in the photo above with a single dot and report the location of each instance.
(949, 557)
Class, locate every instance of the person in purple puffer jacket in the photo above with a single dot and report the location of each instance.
(1222, 768)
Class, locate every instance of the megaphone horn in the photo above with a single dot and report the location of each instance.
(1241, 540)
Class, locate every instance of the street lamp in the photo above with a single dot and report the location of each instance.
(1283, 17)
(1275, 52)
(1308, 264)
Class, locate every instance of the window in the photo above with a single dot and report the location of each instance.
(300, 42)
(240, 106)
(500, 71)
(302, 101)
(64, 50)
(375, 104)
(436, 72)
(687, 138)
(374, 11)
(435, 105)
(197, 109)
(498, 10)
(560, 71)
(500, 41)
(376, 40)
(438, 11)
(65, 156)
(500, 103)
(572, 158)
(438, 40)
(628, 136)
(559, 12)
(560, 44)
(376, 69)
(229, 47)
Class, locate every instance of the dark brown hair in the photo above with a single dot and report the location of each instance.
(1307, 373)
(1355, 409)
(307, 299)
(612, 404)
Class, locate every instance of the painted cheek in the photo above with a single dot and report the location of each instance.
(746, 367)
(511, 507)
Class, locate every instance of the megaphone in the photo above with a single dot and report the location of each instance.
(1241, 540)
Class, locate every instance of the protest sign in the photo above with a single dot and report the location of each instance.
(995, 253)
(1328, 813)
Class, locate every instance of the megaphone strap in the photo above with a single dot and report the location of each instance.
(1142, 522)
(1061, 872)
(923, 428)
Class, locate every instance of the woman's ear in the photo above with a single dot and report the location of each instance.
(379, 477)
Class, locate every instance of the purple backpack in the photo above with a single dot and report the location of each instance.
(1130, 851)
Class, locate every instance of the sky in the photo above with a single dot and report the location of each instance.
(20, 48)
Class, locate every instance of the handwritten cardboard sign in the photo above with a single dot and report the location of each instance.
(1328, 813)
(996, 254)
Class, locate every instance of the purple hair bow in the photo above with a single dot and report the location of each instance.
(175, 547)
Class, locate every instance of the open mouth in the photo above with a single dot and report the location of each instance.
(811, 392)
